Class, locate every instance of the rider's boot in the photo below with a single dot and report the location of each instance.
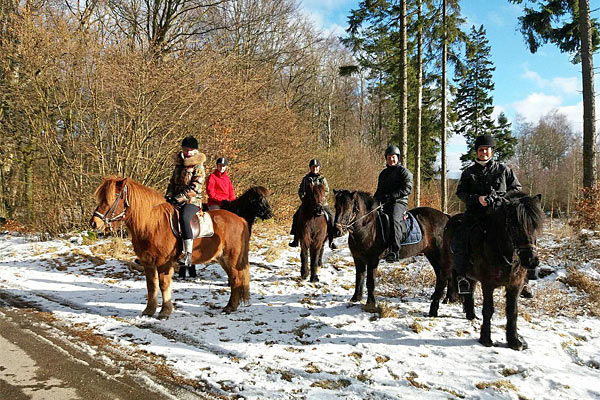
(293, 243)
(185, 260)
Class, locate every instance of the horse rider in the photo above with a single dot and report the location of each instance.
(482, 185)
(185, 191)
(394, 184)
(315, 178)
(219, 186)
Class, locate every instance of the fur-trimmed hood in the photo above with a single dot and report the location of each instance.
(196, 159)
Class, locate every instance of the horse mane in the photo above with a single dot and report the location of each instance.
(529, 212)
(368, 200)
(148, 206)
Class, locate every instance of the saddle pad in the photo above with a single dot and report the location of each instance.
(202, 226)
(414, 230)
(206, 226)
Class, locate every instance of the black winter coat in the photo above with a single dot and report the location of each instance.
(394, 185)
(479, 180)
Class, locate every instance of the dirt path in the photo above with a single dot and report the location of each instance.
(42, 359)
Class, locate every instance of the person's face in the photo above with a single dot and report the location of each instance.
(221, 168)
(391, 159)
(484, 153)
(315, 169)
(187, 151)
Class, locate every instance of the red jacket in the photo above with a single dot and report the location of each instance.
(219, 188)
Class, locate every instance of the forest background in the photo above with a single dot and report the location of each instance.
(97, 88)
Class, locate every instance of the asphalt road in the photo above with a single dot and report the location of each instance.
(40, 358)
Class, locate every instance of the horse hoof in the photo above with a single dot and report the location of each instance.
(486, 342)
(355, 299)
(163, 316)
(433, 314)
(518, 344)
(371, 308)
(526, 292)
(314, 279)
(471, 317)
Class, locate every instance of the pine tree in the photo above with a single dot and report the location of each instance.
(473, 102)
(505, 141)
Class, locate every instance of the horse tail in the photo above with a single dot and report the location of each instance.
(243, 264)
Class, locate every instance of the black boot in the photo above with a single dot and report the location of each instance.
(293, 243)
(461, 267)
(192, 271)
(182, 272)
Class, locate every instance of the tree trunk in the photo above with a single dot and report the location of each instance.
(587, 78)
(444, 182)
(417, 184)
(404, 94)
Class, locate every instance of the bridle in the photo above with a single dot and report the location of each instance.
(352, 218)
(109, 216)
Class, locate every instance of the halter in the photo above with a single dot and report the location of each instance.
(109, 217)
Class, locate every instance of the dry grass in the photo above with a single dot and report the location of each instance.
(589, 286)
(116, 248)
(399, 282)
(501, 384)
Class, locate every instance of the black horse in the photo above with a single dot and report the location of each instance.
(502, 252)
(356, 212)
(254, 203)
(312, 231)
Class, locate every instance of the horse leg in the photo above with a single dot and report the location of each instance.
(371, 273)
(360, 268)
(152, 287)
(314, 264)
(514, 341)
(469, 303)
(164, 281)
(485, 337)
(303, 263)
(451, 289)
(441, 278)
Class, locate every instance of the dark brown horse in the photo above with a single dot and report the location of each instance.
(502, 250)
(356, 212)
(146, 215)
(254, 203)
(312, 231)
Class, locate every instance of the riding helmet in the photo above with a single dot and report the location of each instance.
(190, 142)
(222, 160)
(392, 150)
(484, 140)
(314, 162)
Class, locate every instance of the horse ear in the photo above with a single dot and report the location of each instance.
(335, 192)
(353, 193)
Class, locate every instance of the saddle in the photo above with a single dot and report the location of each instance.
(202, 225)
(411, 233)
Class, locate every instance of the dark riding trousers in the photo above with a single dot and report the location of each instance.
(186, 213)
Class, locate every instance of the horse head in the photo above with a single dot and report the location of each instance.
(315, 199)
(113, 202)
(346, 210)
(259, 199)
(523, 219)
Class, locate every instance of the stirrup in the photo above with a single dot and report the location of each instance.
(185, 260)
(464, 287)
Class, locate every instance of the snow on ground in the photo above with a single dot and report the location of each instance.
(298, 340)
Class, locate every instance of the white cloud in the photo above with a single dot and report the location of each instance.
(535, 105)
(568, 85)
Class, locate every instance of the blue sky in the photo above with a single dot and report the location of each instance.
(530, 85)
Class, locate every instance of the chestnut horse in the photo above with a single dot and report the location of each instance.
(146, 215)
(356, 212)
(502, 254)
(312, 231)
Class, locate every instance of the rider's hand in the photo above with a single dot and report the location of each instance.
(482, 201)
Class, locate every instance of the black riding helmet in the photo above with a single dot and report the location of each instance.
(314, 162)
(484, 140)
(190, 142)
(222, 160)
(392, 150)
